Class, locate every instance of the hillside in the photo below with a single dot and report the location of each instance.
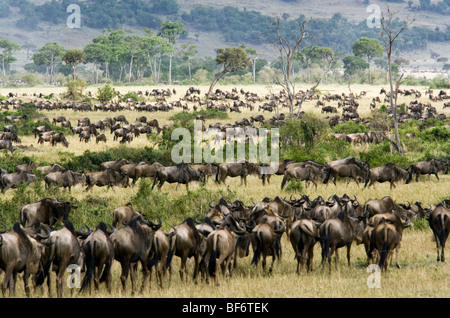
(207, 41)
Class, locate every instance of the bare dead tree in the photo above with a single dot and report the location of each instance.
(389, 36)
(287, 49)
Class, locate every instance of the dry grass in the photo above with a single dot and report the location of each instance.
(420, 275)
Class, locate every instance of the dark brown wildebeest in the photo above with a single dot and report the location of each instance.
(220, 250)
(237, 169)
(439, 220)
(19, 252)
(13, 180)
(430, 166)
(59, 138)
(132, 244)
(339, 232)
(158, 255)
(266, 242)
(46, 211)
(108, 178)
(181, 174)
(187, 243)
(65, 250)
(208, 169)
(65, 179)
(349, 171)
(389, 172)
(98, 251)
(100, 137)
(303, 237)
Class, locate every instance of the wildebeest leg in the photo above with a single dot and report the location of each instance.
(145, 274)
(178, 185)
(133, 276)
(26, 276)
(124, 274)
(437, 177)
(7, 281)
(309, 264)
(349, 246)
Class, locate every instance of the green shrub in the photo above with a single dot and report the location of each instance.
(106, 93)
(295, 186)
(350, 127)
(75, 89)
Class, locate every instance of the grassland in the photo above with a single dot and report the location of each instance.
(419, 276)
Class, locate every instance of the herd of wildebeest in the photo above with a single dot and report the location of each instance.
(228, 230)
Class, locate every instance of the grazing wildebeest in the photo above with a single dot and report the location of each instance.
(46, 211)
(100, 137)
(439, 220)
(282, 166)
(132, 244)
(237, 169)
(386, 204)
(13, 180)
(430, 166)
(181, 174)
(114, 164)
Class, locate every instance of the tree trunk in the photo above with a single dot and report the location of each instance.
(189, 68)
(215, 81)
(170, 68)
(3, 65)
(394, 110)
(131, 69)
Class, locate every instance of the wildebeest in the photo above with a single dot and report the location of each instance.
(7, 144)
(46, 211)
(439, 220)
(98, 251)
(303, 237)
(266, 242)
(349, 171)
(237, 169)
(65, 179)
(13, 180)
(146, 170)
(306, 172)
(123, 214)
(19, 252)
(378, 206)
(181, 174)
(108, 178)
(282, 166)
(389, 172)
(187, 243)
(158, 255)
(132, 244)
(100, 137)
(430, 166)
(338, 232)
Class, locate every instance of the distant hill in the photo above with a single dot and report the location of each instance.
(212, 24)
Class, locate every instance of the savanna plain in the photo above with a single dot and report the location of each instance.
(420, 275)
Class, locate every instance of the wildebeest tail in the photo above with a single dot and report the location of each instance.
(213, 258)
(327, 177)
(90, 260)
(285, 180)
(442, 231)
(383, 255)
(326, 243)
(257, 252)
(411, 172)
(367, 179)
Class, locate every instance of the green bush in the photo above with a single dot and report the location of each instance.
(75, 89)
(350, 127)
(106, 93)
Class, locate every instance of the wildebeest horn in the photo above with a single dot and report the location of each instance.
(211, 205)
(6, 229)
(195, 219)
(154, 225)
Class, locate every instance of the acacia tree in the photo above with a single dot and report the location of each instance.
(369, 48)
(254, 56)
(232, 59)
(187, 52)
(48, 55)
(74, 57)
(389, 35)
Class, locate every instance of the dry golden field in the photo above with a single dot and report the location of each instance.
(419, 276)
